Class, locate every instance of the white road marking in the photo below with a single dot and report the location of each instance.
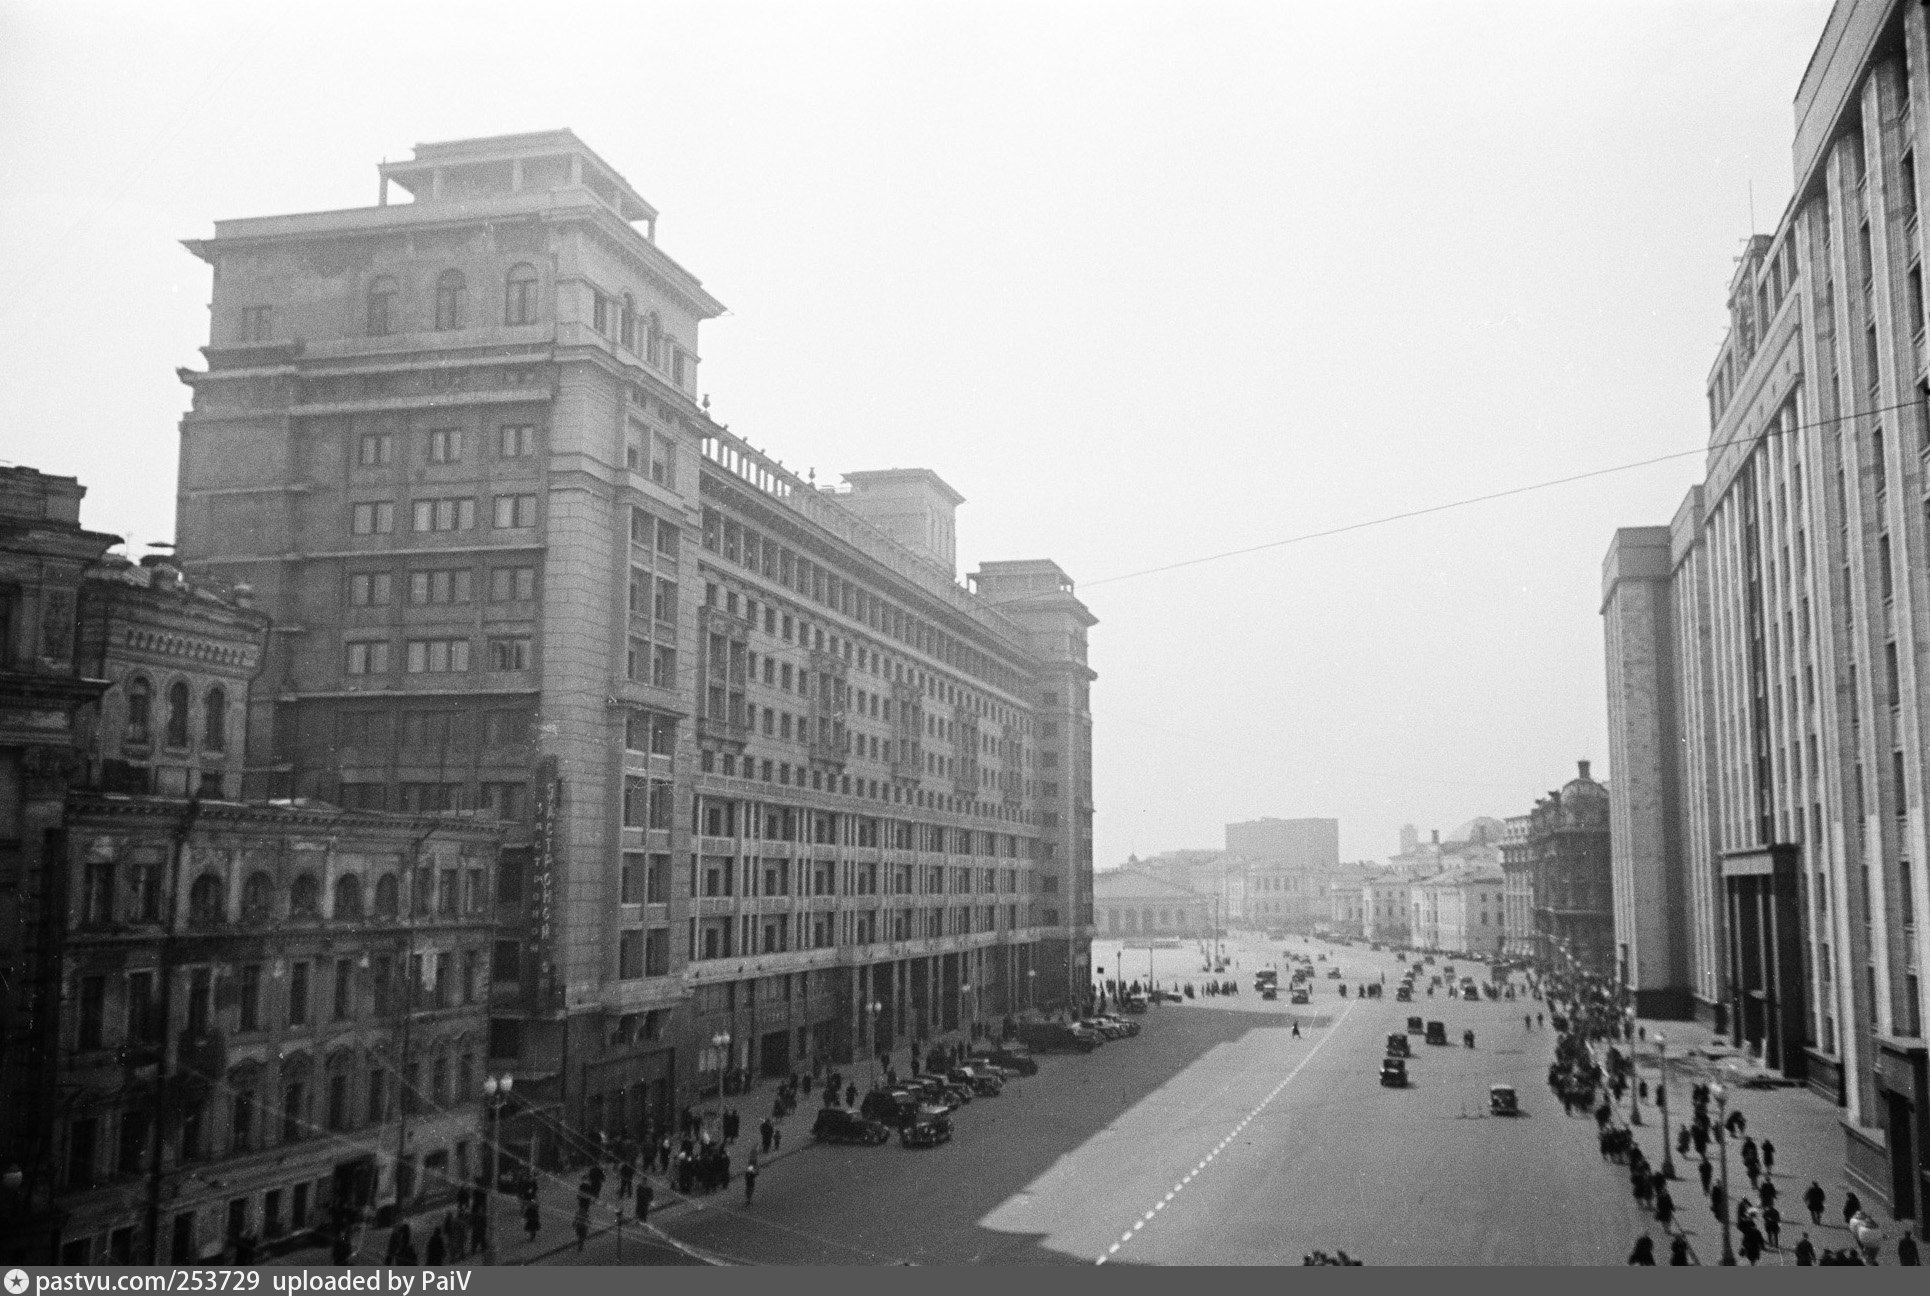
(1271, 1095)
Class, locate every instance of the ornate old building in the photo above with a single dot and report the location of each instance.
(1568, 864)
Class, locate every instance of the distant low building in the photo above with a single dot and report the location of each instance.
(1128, 904)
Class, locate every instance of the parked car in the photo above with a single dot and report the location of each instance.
(1397, 1046)
(1126, 1024)
(935, 1092)
(1049, 1037)
(1269, 992)
(1012, 1060)
(1333, 974)
(897, 1107)
(960, 1094)
(837, 1125)
(1437, 1032)
(1300, 997)
(1393, 1073)
(1414, 1026)
(1104, 1027)
(1133, 1004)
(983, 1083)
(927, 1131)
(1405, 994)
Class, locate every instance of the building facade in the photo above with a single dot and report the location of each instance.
(1800, 623)
(1573, 888)
(1384, 908)
(1286, 866)
(1460, 911)
(1129, 905)
(772, 773)
(44, 691)
(1518, 888)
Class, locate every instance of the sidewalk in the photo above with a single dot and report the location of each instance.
(557, 1190)
(1803, 1125)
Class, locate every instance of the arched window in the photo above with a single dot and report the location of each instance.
(257, 898)
(244, 1124)
(519, 299)
(382, 319)
(215, 732)
(451, 288)
(627, 323)
(178, 714)
(388, 896)
(348, 897)
(654, 343)
(207, 901)
(140, 701)
(305, 897)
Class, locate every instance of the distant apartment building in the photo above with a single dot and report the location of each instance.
(1518, 886)
(1130, 905)
(773, 775)
(1460, 911)
(1572, 887)
(1767, 671)
(1384, 907)
(1286, 866)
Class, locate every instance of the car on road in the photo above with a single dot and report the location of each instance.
(928, 1131)
(1270, 992)
(1414, 1026)
(1131, 1027)
(1333, 974)
(1301, 997)
(1133, 1004)
(935, 1092)
(1437, 1032)
(1397, 1046)
(1405, 994)
(836, 1125)
(897, 1107)
(983, 1083)
(1393, 1072)
(958, 1094)
(1502, 1100)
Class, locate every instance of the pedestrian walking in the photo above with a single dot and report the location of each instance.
(645, 1195)
(1768, 1192)
(1768, 1157)
(626, 1179)
(1851, 1205)
(777, 1138)
(532, 1219)
(1718, 1204)
(1805, 1251)
(437, 1250)
(1644, 1252)
(1906, 1251)
(1665, 1210)
(750, 1179)
(582, 1227)
(1772, 1226)
(764, 1131)
(1707, 1173)
(1814, 1197)
(1679, 1251)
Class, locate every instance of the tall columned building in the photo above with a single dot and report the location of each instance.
(778, 785)
(1798, 583)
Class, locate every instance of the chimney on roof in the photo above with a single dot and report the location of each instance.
(1583, 765)
(1437, 836)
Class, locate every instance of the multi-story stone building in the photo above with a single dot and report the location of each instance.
(1384, 907)
(1791, 633)
(1459, 911)
(1518, 887)
(1130, 905)
(772, 773)
(1568, 862)
(44, 552)
(1286, 866)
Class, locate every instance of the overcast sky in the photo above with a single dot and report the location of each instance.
(1143, 282)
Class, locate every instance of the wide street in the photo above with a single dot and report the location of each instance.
(1216, 1137)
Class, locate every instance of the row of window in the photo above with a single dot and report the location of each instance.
(140, 707)
(444, 445)
(430, 587)
(729, 765)
(115, 892)
(440, 656)
(641, 335)
(451, 513)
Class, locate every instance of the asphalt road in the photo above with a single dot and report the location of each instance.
(1216, 1137)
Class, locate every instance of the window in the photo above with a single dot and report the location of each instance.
(664, 604)
(450, 291)
(177, 732)
(445, 445)
(509, 653)
(627, 324)
(653, 340)
(93, 1013)
(515, 511)
(370, 589)
(512, 584)
(255, 323)
(348, 897)
(344, 989)
(214, 735)
(656, 952)
(298, 994)
(381, 314)
(506, 801)
(630, 955)
(444, 515)
(516, 441)
(305, 897)
(438, 656)
(519, 295)
(376, 517)
(508, 727)
(373, 450)
(139, 697)
(663, 666)
(663, 463)
(450, 586)
(368, 657)
(600, 313)
(207, 901)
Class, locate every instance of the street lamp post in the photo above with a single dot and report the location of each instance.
(964, 989)
(1031, 985)
(720, 1042)
(1721, 1095)
(1634, 1075)
(496, 1096)
(873, 1009)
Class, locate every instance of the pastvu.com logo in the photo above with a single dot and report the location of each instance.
(16, 1281)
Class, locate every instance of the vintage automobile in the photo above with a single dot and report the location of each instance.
(1397, 1046)
(1011, 1059)
(1405, 994)
(1300, 997)
(1414, 1026)
(1333, 974)
(1270, 991)
(1437, 1032)
(935, 1092)
(983, 1083)
(928, 1131)
(1048, 1036)
(836, 1125)
(1393, 1072)
(897, 1107)
(1502, 1100)
(1133, 1004)
(958, 1094)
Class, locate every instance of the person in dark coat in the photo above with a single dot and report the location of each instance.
(532, 1219)
(1851, 1205)
(1664, 1209)
(1768, 1157)
(1679, 1251)
(750, 1179)
(1906, 1251)
(1708, 1174)
(1644, 1252)
(1805, 1251)
(851, 1095)
(437, 1250)
(1814, 1197)
(645, 1195)
(764, 1131)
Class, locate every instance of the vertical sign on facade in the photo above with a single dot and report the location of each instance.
(542, 889)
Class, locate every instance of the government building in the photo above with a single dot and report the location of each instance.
(1768, 648)
(779, 786)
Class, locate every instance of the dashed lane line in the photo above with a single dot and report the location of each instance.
(1273, 1093)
